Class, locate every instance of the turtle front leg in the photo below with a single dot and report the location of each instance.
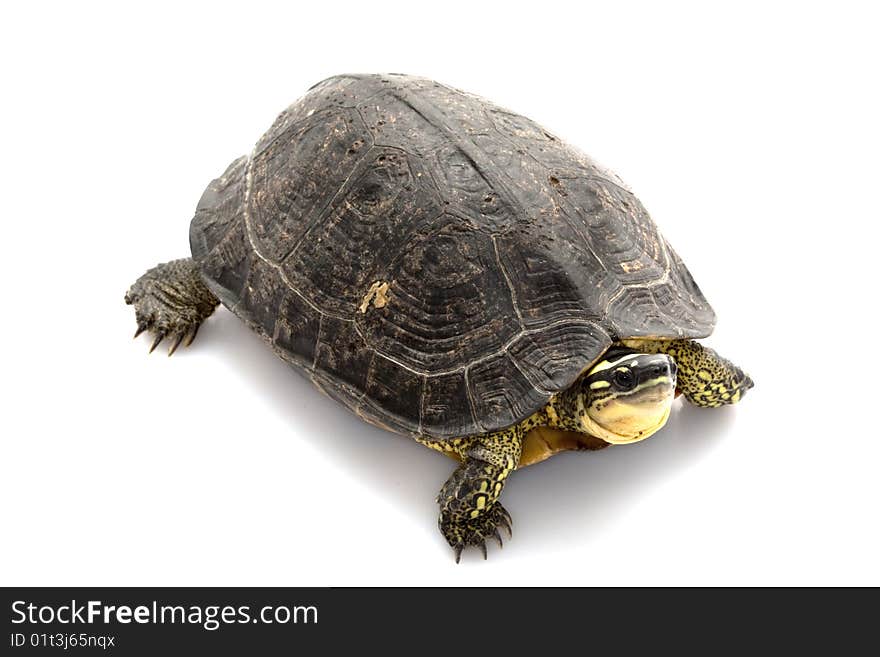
(704, 377)
(470, 511)
(171, 300)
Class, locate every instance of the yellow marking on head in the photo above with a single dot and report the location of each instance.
(630, 426)
(606, 364)
(475, 513)
(551, 414)
(484, 486)
(595, 385)
(625, 422)
(481, 502)
(705, 375)
(652, 382)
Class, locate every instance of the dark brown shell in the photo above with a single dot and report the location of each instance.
(511, 259)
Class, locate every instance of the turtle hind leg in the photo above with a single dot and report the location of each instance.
(172, 301)
(470, 512)
(705, 378)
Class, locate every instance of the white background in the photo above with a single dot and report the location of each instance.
(750, 133)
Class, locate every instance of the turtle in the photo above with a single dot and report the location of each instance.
(451, 271)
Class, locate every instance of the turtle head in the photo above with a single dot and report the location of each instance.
(627, 396)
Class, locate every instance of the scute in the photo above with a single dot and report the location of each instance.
(509, 261)
(450, 304)
(294, 176)
(351, 245)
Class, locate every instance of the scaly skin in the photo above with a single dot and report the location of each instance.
(705, 378)
(470, 511)
(171, 300)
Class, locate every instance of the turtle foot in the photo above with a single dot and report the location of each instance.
(171, 301)
(475, 531)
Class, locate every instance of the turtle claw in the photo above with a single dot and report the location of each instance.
(192, 336)
(178, 338)
(474, 532)
(140, 329)
(159, 338)
(506, 522)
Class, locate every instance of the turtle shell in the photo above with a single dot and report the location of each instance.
(438, 264)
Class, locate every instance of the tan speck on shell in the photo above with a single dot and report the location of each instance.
(378, 294)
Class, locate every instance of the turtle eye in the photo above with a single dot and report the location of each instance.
(624, 379)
